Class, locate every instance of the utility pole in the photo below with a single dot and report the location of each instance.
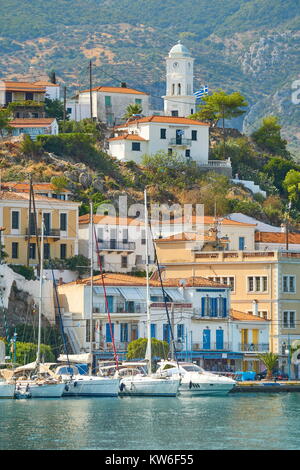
(172, 326)
(65, 103)
(91, 85)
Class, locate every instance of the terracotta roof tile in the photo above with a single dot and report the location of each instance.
(34, 122)
(206, 220)
(14, 196)
(134, 137)
(24, 187)
(167, 120)
(8, 85)
(236, 315)
(277, 237)
(109, 220)
(115, 279)
(114, 89)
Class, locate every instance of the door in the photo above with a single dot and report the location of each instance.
(166, 332)
(110, 303)
(179, 133)
(108, 333)
(206, 339)
(219, 339)
(47, 223)
(241, 243)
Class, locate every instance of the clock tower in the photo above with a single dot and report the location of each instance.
(179, 99)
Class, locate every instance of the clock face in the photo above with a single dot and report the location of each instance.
(175, 65)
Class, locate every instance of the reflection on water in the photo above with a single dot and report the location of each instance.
(239, 421)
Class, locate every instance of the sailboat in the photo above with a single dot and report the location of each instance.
(134, 381)
(32, 380)
(7, 386)
(87, 385)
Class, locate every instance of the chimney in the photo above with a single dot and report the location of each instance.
(123, 85)
(255, 308)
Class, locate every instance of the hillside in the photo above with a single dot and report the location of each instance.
(250, 46)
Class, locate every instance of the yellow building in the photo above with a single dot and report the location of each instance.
(20, 238)
(265, 283)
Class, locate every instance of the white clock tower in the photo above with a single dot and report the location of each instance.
(179, 99)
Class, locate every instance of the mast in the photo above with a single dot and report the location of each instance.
(148, 351)
(91, 283)
(38, 357)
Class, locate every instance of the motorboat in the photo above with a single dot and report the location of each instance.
(194, 380)
(134, 381)
(79, 385)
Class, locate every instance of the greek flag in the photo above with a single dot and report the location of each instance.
(203, 91)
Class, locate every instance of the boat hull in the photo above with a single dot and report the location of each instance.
(204, 389)
(95, 387)
(42, 390)
(7, 390)
(143, 388)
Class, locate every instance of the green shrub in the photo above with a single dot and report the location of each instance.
(26, 271)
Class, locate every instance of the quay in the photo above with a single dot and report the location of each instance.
(266, 387)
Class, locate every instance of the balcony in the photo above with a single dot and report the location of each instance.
(48, 233)
(260, 347)
(252, 256)
(116, 246)
(212, 347)
(121, 307)
(180, 142)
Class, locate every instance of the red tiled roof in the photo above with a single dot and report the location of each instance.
(277, 237)
(14, 196)
(21, 86)
(34, 122)
(236, 315)
(44, 83)
(189, 236)
(24, 187)
(166, 120)
(134, 137)
(109, 220)
(206, 220)
(115, 279)
(114, 89)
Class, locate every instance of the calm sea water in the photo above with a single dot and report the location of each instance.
(252, 421)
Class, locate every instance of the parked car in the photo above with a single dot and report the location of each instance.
(277, 375)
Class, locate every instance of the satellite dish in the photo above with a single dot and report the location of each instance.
(296, 344)
(182, 282)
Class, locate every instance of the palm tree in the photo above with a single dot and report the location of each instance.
(270, 360)
(133, 109)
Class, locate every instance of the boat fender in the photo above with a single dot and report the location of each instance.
(122, 387)
(190, 384)
(67, 388)
(75, 384)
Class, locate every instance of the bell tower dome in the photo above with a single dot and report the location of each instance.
(179, 99)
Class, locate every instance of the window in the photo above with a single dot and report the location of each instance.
(173, 89)
(241, 243)
(179, 89)
(261, 313)
(125, 235)
(228, 281)
(63, 222)
(180, 332)
(32, 251)
(188, 153)
(257, 284)
(194, 135)
(153, 330)
(107, 100)
(29, 96)
(15, 250)
(124, 262)
(289, 319)
(124, 333)
(47, 223)
(63, 251)
(47, 250)
(100, 234)
(192, 109)
(138, 101)
(169, 151)
(69, 110)
(143, 239)
(136, 146)
(102, 261)
(163, 133)
(174, 113)
(289, 284)
(15, 215)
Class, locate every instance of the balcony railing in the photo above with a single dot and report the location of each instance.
(116, 245)
(212, 346)
(120, 307)
(260, 347)
(53, 232)
(175, 141)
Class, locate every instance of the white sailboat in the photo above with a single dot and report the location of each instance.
(133, 379)
(31, 380)
(7, 388)
(88, 385)
(195, 380)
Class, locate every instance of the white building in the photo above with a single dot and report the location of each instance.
(109, 103)
(204, 328)
(179, 99)
(121, 243)
(52, 89)
(34, 126)
(149, 135)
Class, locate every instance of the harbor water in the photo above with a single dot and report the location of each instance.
(237, 421)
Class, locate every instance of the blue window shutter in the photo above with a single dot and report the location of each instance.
(153, 330)
(224, 307)
(206, 339)
(219, 339)
(108, 335)
(202, 306)
(241, 243)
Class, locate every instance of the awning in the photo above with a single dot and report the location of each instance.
(109, 290)
(175, 295)
(156, 291)
(133, 293)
